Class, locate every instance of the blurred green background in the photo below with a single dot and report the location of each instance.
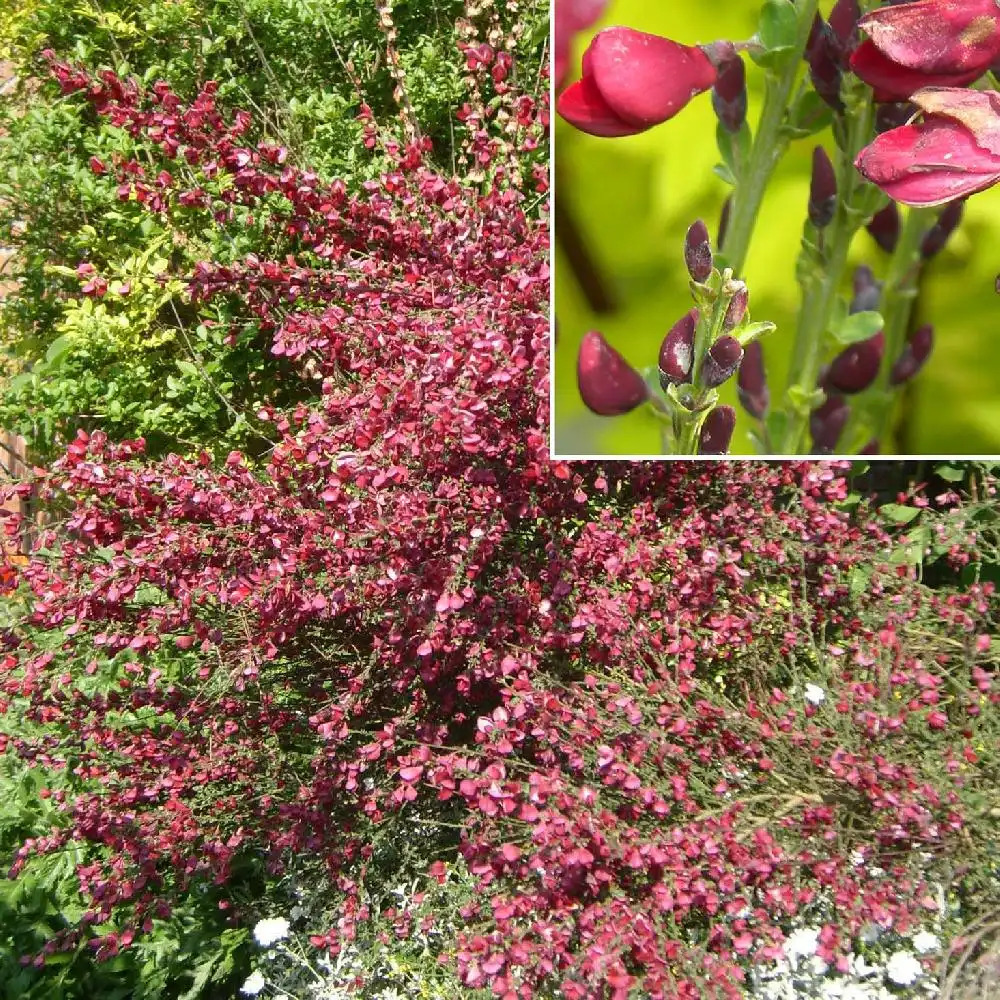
(631, 200)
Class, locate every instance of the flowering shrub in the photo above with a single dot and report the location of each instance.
(870, 69)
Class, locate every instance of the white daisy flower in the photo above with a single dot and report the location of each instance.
(270, 930)
(902, 968)
(253, 985)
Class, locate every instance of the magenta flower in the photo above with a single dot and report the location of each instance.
(633, 81)
(952, 153)
(571, 17)
(928, 43)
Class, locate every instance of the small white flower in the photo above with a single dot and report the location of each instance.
(902, 968)
(270, 930)
(802, 943)
(870, 933)
(861, 968)
(253, 985)
(925, 942)
(814, 693)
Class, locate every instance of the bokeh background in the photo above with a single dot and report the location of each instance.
(629, 202)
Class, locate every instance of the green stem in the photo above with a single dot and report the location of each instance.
(822, 282)
(898, 294)
(769, 145)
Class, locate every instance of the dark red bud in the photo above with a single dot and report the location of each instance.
(844, 28)
(947, 222)
(698, 252)
(677, 351)
(822, 189)
(721, 361)
(884, 227)
(824, 67)
(736, 309)
(872, 448)
(717, 431)
(867, 291)
(914, 356)
(729, 95)
(857, 365)
(609, 385)
(827, 423)
(751, 381)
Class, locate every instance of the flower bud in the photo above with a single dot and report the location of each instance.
(677, 351)
(729, 95)
(827, 423)
(857, 365)
(822, 189)
(872, 448)
(867, 290)
(737, 308)
(915, 354)
(609, 385)
(698, 252)
(721, 361)
(717, 431)
(844, 29)
(884, 227)
(751, 381)
(947, 222)
(824, 67)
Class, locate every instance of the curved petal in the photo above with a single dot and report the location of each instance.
(892, 81)
(928, 164)
(977, 110)
(937, 36)
(582, 105)
(644, 78)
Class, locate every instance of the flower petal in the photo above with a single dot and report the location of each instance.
(582, 105)
(646, 79)
(894, 82)
(977, 110)
(928, 164)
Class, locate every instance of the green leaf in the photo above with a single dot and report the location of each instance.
(899, 513)
(58, 347)
(809, 115)
(950, 473)
(187, 368)
(857, 327)
(778, 24)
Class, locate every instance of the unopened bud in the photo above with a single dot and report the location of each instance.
(721, 361)
(698, 252)
(872, 448)
(751, 381)
(827, 423)
(729, 95)
(677, 351)
(824, 68)
(717, 431)
(822, 189)
(915, 353)
(867, 290)
(884, 227)
(857, 365)
(609, 385)
(844, 29)
(947, 222)
(737, 307)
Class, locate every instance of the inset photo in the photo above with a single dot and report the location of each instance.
(775, 233)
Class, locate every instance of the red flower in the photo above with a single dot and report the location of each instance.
(953, 153)
(931, 42)
(571, 16)
(632, 81)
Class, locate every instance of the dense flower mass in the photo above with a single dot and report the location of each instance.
(413, 611)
